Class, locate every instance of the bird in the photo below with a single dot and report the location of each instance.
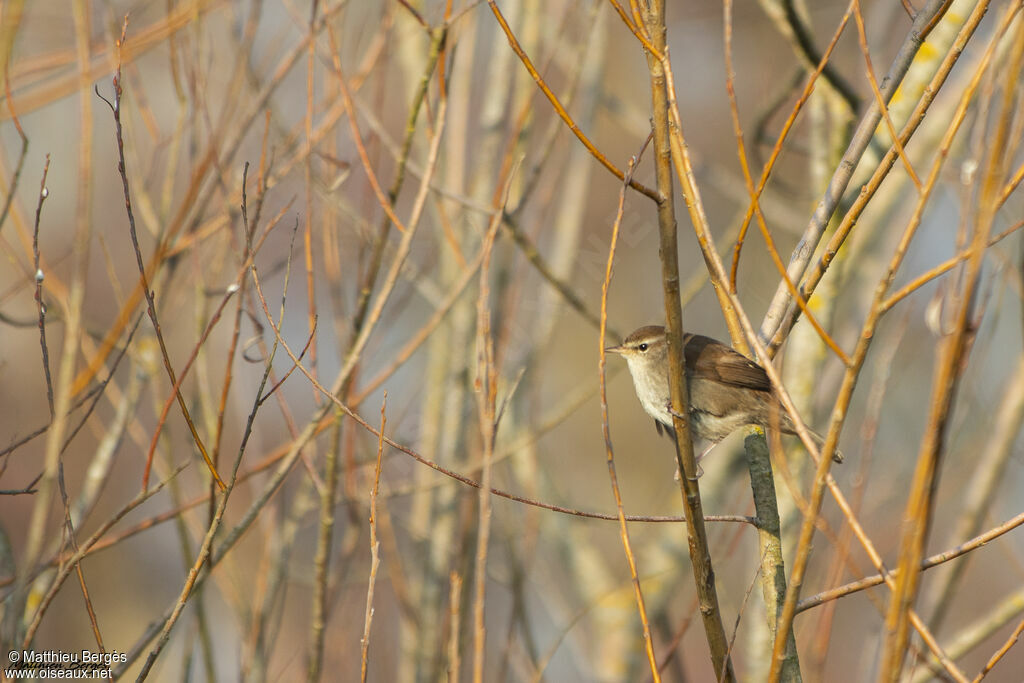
(727, 390)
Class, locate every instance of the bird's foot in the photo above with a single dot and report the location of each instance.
(673, 412)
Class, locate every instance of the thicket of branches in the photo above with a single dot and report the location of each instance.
(303, 310)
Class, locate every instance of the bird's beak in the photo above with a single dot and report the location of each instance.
(613, 349)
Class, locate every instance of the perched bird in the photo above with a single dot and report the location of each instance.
(727, 389)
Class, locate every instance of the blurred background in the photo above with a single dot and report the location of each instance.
(288, 88)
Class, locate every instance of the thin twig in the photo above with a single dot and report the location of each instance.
(606, 429)
(559, 109)
(43, 194)
(487, 391)
(374, 544)
(115, 108)
(844, 170)
(16, 177)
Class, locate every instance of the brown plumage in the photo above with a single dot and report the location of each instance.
(727, 389)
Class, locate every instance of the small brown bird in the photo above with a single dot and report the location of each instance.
(727, 389)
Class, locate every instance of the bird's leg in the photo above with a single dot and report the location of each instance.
(707, 450)
(700, 470)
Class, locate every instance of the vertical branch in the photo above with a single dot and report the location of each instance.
(322, 559)
(700, 556)
(307, 234)
(982, 492)
(13, 11)
(374, 545)
(769, 532)
(41, 307)
(16, 176)
(486, 392)
(454, 611)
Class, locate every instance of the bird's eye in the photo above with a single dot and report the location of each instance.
(643, 347)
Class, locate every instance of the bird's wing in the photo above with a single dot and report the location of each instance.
(712, 360)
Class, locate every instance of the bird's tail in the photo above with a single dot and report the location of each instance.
(788, 427)
(819, 440)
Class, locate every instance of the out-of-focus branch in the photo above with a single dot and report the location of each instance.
(917, 518)
(868, 330)
(793, 25)
(559, 109)
(844, 171)
(868, 190)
